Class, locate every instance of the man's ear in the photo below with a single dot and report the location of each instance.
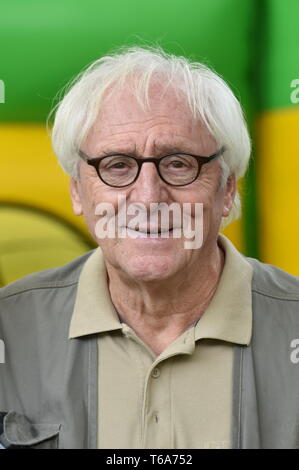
(229, 196)
(75, 196)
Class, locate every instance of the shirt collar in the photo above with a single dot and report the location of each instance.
(94, 311)
(228, 316)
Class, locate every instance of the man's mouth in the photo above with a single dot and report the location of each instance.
(150, 231)
(153, 230)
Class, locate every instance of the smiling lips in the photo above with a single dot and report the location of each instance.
(153, 231)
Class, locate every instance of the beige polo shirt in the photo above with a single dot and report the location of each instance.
(183, 397)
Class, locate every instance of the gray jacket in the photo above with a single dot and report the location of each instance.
(49, 384)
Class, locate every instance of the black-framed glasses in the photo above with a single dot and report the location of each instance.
(177, 169)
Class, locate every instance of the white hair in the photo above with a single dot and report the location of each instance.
(208, 96)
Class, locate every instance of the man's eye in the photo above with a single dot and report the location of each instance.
(116, 164)
(177, 164)
(120, 165)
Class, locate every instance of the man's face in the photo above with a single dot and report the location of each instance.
(168, 127)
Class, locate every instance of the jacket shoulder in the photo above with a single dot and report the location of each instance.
(272, 281)
(61, 276)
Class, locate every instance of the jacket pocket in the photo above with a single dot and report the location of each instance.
(19, 432)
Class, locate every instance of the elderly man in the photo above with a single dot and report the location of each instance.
(148, 342)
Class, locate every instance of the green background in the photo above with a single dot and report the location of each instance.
(46, 43)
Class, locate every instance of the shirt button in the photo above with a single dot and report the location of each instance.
(156, 373)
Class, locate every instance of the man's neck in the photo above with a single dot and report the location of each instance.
(160, 313)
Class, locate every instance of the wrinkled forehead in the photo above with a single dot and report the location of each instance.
(163, 109)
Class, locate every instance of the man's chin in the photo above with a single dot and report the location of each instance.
(149, 268)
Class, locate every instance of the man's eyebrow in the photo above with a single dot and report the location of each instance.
(160, 150)
(114, 151)
(177, 147)
(174, 149)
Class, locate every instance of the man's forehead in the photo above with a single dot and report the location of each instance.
(161, 144)
(168, 121)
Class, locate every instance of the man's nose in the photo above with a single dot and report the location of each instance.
(149, 187)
